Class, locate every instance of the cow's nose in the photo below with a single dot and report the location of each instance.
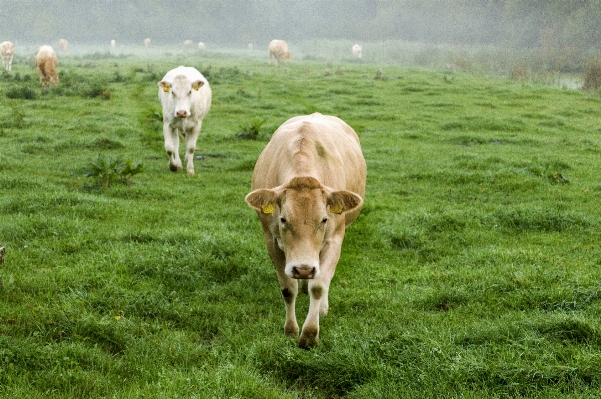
(181, 113)
(303, 272)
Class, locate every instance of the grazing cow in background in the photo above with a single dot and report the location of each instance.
(202, 46)
(63, 46)
(250, 46)
(307, 188)
(7, 51)
(46, 62)
(187, 42)
(279, 49)
(357, 50)
(186, 98)
(147, 42)
(113, 43)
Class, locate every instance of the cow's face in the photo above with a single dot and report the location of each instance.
(302, 217)
(180, 93)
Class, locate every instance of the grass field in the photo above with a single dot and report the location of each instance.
(473, 271)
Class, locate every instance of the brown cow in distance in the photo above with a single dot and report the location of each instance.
(307, 188)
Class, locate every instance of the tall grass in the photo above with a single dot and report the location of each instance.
(472, 270)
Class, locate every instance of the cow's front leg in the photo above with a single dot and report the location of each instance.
(288, 286)
(172, 147)
(319, 288)
(191, 138)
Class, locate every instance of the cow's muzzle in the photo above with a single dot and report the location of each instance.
(304, 272)
(181, 114)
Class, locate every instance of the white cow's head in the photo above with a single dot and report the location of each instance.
(303, 216)
(180, 93)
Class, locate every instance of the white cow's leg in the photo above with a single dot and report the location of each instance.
(191, 138)
(319, 288)
(172, 147)
(288, 286)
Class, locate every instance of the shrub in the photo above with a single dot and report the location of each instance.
(21, 92)
(105, 171)
(592, 76)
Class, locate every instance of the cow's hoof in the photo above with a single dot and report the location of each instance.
(173, 168)
(291, 331)
(308, 340)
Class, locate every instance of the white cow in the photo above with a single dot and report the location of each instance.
(113, 43)
(63, 45)
(202, 46)
(279, 49)
(357, 50)
(46, 63)
(147, 42)
(7, 50)
(186, 98)
(308, 186)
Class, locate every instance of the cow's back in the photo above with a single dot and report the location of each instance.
(320, 146)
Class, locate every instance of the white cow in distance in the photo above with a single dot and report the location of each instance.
(279, 49)
(307, 188)
(63, 45)
(46, 63)
(186, 98)
(7, 51)
(147, 42)
(202, 46)
(357, 50)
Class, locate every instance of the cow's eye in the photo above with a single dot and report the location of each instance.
(283, 220)
(190, 92)
(324, 220)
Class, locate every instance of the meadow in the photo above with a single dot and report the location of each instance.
(473, 271)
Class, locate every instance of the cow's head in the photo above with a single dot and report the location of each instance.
(303, 217)
(179, 93)
(287, 55)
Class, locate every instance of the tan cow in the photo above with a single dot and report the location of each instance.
(7, 51)
(279, 49)
(357, 50)
(147, 42)
(46, 62)
(63, 46)
(307, 188)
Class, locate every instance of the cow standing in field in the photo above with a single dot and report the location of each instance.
(63, 46)
(7, 51)
(357, 50)
(113, 43)
(307, 188)
(46, 63)
(147, 42)
(279, 49)
(186, 98)
(202, 46)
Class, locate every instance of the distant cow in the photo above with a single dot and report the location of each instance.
(113, 43)
(202, 46)
(147, 42)
(187, 42)
(308, 186)
(357, 50)
(46, 62)
(7, 51)
(63, 46)
(279, 49)
(186, 98)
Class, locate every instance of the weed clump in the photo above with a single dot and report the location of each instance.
(252, 131)
(105, 171)
(21, 92)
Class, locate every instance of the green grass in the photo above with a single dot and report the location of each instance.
(472, 271)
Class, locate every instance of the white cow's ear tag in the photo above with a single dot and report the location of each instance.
(268, 209)
(197, 86)
(166, 89)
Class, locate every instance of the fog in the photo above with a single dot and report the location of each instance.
(563, 26)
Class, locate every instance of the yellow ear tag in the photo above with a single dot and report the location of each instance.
(197, 86)
(337, 209)
(166, 89)
(268, 208)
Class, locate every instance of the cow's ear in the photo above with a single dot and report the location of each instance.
(343, 201)
(262, 200)
(198, 84)
(166, 86)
